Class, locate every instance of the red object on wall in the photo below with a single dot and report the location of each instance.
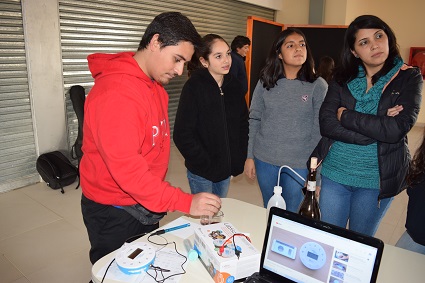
(417, 58)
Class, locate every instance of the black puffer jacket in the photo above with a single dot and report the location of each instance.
(390, 133)
(211, 130)
(416, 211)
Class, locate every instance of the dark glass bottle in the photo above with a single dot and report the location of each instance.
(309, 207)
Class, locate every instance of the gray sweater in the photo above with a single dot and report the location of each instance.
(284, 121)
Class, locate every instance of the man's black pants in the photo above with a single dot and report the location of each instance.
(109, 227)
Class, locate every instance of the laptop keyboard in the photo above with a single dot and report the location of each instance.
(255, 278)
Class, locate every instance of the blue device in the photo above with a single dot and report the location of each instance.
(162, 231)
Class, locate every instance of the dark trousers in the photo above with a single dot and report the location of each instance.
(109, 227)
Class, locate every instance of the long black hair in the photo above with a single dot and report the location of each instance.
(273, 69)
(349, 67)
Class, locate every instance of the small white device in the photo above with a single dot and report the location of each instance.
(312, 255)
(133, 258)
(284, 249)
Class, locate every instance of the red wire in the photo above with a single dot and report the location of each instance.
(221, 250)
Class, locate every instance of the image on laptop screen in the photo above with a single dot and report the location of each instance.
(304, 253)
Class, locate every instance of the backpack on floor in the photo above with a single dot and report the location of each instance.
(56, 170)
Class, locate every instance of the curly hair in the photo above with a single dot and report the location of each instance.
(417, 165)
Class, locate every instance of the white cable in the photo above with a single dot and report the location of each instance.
(286, 166)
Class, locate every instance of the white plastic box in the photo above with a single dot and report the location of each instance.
(225, 267)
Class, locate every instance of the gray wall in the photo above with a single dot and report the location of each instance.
(42, 39)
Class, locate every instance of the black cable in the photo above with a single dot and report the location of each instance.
(157, 268)
(237, 252)
(135, 237)
(106, 271)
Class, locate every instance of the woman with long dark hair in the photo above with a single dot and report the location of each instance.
(284, 117)
(211, 126)
(368, 111)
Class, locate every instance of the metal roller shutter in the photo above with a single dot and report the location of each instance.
(17, 142)
(116, 25)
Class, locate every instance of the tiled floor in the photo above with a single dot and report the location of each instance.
(43, 238)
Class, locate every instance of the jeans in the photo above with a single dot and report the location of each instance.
(340, 203)
(198, 185)
(406, 242)
(291, 184)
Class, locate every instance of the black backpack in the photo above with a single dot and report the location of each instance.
(56, 170)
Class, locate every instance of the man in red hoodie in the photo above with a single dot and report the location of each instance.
(126, 142)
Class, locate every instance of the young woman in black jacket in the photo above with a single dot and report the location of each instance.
(368, 111)
(211, 126)
(413, 238)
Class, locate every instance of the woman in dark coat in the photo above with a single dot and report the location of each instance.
(368, 111)
(413, 238)
(211, 126)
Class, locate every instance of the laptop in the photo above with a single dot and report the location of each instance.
(299, 249)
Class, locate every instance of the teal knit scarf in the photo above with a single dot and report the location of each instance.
(367, 102)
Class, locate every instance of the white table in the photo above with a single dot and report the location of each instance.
(397, 265)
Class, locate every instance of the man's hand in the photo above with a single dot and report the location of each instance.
(249, 168)
(394, 111)
(205, 204)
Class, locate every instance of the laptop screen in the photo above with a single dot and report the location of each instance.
(305, 250)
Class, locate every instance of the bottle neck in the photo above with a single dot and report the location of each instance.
(312, 175)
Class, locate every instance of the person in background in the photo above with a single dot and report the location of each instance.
(413, 238)
(240, 47)
(284, 117)
(371, 105)
(211, 126)
(326, 66)
(126, 140)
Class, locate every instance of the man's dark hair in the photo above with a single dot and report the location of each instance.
(172, 27)
(239, 42)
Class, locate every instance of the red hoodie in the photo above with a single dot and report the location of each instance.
(126, 141)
